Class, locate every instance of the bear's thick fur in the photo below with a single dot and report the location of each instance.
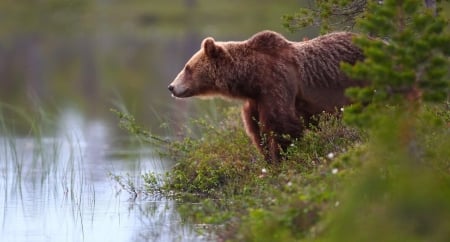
(281, 82)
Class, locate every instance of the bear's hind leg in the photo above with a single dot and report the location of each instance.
(250, 116)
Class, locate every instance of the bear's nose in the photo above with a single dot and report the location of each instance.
(170, 87)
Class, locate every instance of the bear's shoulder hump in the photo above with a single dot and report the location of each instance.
(267, 40)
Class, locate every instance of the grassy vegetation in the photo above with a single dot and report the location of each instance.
(223, 180)
(332, 181)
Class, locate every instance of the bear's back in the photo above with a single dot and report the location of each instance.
(319, 59)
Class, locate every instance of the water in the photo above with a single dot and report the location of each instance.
(60, 188)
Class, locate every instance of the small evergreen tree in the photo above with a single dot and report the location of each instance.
(405, 64)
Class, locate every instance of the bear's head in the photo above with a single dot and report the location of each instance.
(204, 73)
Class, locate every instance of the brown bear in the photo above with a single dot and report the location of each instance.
(282, 83)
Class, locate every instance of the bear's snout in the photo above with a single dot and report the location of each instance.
(180, 87)
(178, 90)
(172, 90)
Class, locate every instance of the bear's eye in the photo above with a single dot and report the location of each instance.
(188, 69)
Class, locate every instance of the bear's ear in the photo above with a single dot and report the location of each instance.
(211, 49)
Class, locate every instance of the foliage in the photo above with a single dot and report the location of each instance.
(329, 136)
(401, 194)
(411, 66)
(128, 122)
(327, 14)
(220, 158)
(223, 180)
(377, 191)
(300, 199)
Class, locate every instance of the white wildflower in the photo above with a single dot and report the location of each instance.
(330, 155)
(334, 171)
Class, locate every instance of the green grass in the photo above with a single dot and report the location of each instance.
(220, 176)
(335, 184)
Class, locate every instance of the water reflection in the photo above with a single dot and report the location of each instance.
(58, 188)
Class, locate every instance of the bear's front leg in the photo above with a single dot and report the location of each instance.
(279, 126)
